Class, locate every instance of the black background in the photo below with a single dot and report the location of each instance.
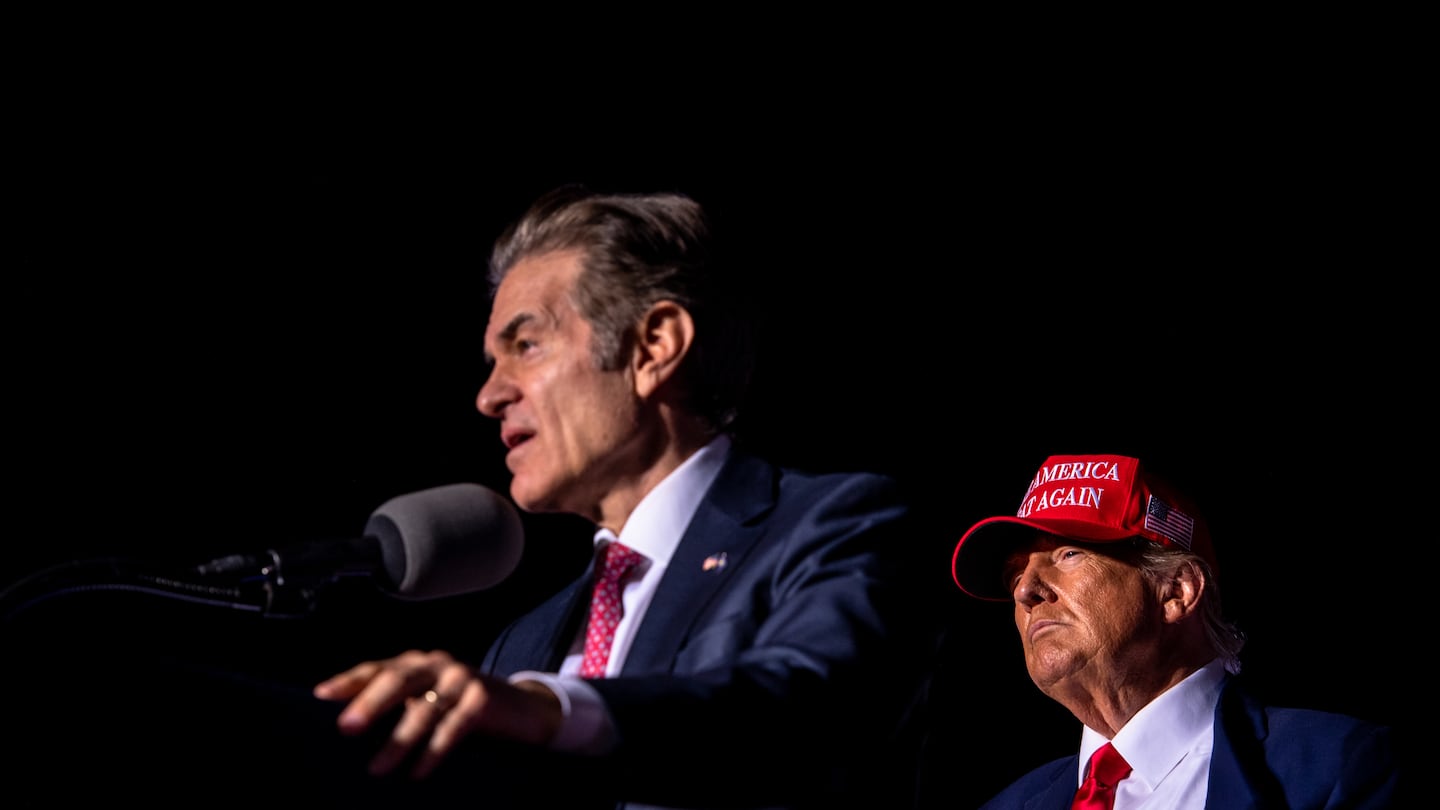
(246, 306)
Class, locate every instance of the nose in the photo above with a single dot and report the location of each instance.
(1030, 588)
(495, 395)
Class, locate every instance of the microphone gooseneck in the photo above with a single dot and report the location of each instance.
(430, 544)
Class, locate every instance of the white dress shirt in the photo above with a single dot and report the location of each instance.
(653, 529)
(1167, 744)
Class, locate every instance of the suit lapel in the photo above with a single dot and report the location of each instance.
(1061, 792)
(1238, 777)
(541, 639)
(710, 554)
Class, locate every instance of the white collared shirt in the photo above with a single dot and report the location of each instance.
(1167, 744)
(653, 529)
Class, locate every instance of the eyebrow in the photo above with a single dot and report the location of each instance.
(509, 331)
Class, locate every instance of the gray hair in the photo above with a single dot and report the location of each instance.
(1158, 563)
(638, 250)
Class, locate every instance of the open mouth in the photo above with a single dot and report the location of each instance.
(515, 438)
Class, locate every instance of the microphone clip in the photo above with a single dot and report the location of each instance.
(264, 580)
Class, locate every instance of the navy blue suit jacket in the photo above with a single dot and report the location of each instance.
(1264, 757)
(783, 677)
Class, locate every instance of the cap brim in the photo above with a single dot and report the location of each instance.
(980, 555)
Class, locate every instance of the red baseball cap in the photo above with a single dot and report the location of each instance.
(1093, 499)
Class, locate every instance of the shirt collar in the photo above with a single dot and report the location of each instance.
(1160, 735)
(655, 527)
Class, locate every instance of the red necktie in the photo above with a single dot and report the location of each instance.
(605, 608)
(1106, 770)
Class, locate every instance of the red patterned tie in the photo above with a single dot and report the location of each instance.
(605, 608)
(1106, 770)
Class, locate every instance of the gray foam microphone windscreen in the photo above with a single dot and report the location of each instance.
(447, 541)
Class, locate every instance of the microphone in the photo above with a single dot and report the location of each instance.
(430, 544)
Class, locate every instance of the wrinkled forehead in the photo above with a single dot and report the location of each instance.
(540, 276)
(537, 291)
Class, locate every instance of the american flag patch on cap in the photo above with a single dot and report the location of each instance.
(1169, 522)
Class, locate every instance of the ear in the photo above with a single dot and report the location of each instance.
(664, 337)
(1181, 592)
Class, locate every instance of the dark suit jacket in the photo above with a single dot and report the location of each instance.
(1264, 757)
(784, 677)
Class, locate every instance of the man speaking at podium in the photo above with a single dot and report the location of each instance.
(748, 636)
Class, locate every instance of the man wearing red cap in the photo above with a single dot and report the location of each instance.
(1113, 578)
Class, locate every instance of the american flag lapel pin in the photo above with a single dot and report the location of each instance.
(714, 562)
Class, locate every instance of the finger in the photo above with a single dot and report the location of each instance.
(422, 715)
(347, 684)
(451, 681)
(453, 726)
(388, 687)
